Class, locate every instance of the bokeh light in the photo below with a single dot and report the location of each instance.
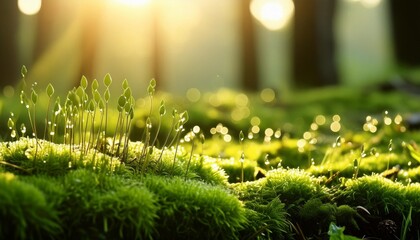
(29, 7)
(273, 14)
(268, 95)
(193, 95)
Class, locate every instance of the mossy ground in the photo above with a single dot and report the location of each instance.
(293, 176)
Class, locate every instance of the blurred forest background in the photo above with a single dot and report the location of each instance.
(210, 44)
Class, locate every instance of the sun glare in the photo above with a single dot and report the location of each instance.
(273, 14)
(132, 2)
(29, 7)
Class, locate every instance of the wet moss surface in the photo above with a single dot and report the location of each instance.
(322, 164)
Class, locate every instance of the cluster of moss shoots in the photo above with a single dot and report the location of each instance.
(80, 177)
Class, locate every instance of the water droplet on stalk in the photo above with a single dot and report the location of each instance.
(390, 145)
(266, 162)
(242, 157)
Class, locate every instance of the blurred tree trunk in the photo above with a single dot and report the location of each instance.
(9, 67)
(44, 38)
(314, 60)
(250, 77)
(406, 31)
(91, 27)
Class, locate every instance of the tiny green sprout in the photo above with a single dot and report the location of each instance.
(389, 150)
(174, 126)
(362, 151)
(373, 152)
(191, 154)
(178, 126)
(127, 93)
(151, 87)
(10, 124)
(162, 109)
(125, 84)
(57, 106)
(95, 85)
(34, 97)
(184, 117)
(107, 80)
(83, 82)
(178, 134)
(23, 129)
(148, 123)
(13, 133)
(127, 108)
(23, 98)
(390, 146)
(266, 160)
(152, 83)
(242, 159)
(23, 71)
(50, 90)
(80, 94)
(101, 105)
(356, 168)
(107, 95)
(131, 113)
(120, 121)
(174, 113)
(96, 96)
(121, 101)
(91, 106)
(337, 141)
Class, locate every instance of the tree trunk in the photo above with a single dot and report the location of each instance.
(249, 78)
(92, 23)
(9, 67)
(406, 31)
(314, 60)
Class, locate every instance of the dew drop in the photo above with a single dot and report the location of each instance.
(266, 162)
(13, 134)
(242, 157)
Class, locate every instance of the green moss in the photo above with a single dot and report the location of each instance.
(126, 213)
(266, 221)
(25, 212)
(96, 206)
(194, 210)
(234, 169)
(315, 216)
(377, 194)
(52, 159)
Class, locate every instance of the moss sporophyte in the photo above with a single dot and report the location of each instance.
(78, 167)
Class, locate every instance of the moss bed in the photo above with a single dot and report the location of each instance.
(321, 164)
